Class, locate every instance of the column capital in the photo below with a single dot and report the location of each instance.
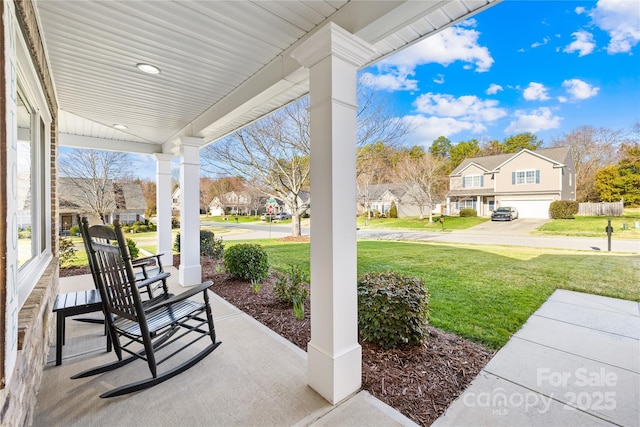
(187, 141)
(333, 40)
(163, 157)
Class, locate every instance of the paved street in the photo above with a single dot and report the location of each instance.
(488, 233)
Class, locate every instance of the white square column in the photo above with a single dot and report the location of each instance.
(163, 206)
(190, 271)
(334, 355)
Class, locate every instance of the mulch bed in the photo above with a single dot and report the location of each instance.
(419, 381)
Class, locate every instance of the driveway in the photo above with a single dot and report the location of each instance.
(517, 227)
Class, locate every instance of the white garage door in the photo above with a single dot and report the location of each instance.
(530, 208)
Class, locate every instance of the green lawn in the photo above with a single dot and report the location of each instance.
(594, 226)
(414, 223)
(485, 294)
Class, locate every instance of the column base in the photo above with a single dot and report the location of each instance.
(190, 275)
(334, 377)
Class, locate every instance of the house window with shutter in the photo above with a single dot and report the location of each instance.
(530, 176)
(472, 181)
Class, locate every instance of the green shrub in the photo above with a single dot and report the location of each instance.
(67, 252)
(209, 245)
(563, 209)
(133, 248)
(246, 262)
(468, 212)
(291, 288)
(393, 309)
(393, 211)
(74, 230)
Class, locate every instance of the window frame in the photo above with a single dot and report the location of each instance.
(469, 181)
(527, 176)
(31, 90)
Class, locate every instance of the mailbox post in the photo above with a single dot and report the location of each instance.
(609, 230)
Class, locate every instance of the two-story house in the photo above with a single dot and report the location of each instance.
(527, 180)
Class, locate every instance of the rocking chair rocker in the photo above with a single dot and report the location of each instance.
(142, 330)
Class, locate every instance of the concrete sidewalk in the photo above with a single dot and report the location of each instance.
(255, 378)
(576, 362)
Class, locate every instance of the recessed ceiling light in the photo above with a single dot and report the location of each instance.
(148, 68)
(119, 126)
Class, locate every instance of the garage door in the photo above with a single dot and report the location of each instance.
(529, 208)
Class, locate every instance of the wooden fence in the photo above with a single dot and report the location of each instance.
(601, 209)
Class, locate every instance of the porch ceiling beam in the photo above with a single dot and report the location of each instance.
(81, 141)
(375, 20)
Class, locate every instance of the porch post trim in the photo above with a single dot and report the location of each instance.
(190, 271)
(163, 206)
(334, 357)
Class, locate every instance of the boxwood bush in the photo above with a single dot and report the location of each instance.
(209, 245)
(393, 309)
(247, 262)
(468, 212)
(563, 209)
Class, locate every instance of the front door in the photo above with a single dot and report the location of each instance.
(67, 222)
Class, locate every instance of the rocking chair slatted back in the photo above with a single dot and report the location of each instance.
(115, 273)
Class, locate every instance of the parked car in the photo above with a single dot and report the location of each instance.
(264, 216)
(282, 215)
(504, 214)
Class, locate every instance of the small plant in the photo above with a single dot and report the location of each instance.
(291, 288)
(133, 248)
(209, 245)
(67, 252)
(393, 309)
(468, 212)
(393, 211)
(218, 268)
(74, 230)
(246, 262)
(255, 286)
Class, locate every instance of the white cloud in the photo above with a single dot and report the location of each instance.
(535, 92)
(467, 108)
(493, 89)
(389, 82)
(533, 121)
(458, 43)
(580, 90)
(583, 43)
(563, 99)
(439, 79)
(580, 10)
(621, 19)
(427, 129)
(542, 43)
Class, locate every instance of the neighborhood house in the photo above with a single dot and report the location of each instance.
(527, 180)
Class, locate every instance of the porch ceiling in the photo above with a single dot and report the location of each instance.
(223, 64)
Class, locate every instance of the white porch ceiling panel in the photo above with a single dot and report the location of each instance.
(223, 63)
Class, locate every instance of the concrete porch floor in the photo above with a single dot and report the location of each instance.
(255, 378)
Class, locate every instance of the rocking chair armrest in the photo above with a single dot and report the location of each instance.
(154, 279)
(145, 260)
(182, 296)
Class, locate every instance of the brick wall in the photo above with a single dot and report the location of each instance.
(18, 398)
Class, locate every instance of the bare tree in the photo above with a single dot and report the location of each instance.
(273, 153)
(424, 179)
(592, 149)
(93, 173)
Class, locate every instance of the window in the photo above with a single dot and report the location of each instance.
(472, 181)
(32, 188)
(531, 176)
(468, 204)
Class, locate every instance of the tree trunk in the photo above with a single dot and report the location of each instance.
(296, 229)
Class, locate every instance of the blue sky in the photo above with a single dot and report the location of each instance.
(545, 67)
